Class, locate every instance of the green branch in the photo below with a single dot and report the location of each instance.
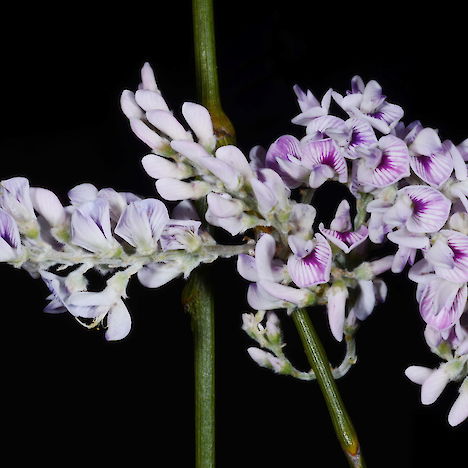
(197, 298)
(320, 365)
(206, 70)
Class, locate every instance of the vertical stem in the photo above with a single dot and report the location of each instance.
(320, 365)
(197, 295)
(197, 298)
(206, 69)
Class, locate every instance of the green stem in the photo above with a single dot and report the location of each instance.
(197, 298)
(320, 365)
(206, 69)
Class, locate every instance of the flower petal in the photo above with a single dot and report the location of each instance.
(314, 268)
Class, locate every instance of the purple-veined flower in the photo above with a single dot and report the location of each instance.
(368, 102)
(323, 159)
(429, 159)
(341, 233)
(383, 163)
(421, 209)
(310, 262)
(310, 107)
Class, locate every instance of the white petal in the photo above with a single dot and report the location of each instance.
(433, 386)
(150, 100)
(459, 410)
(158, 167)
(119, 322)
(418, 374)
(235, 158)
(199, 120)
(155, 275)
(147, 78)
(129, 106)
(47, 204)
(168, 124)
(174, 190)
(82, 193)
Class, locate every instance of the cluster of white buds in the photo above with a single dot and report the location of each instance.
(410, 189)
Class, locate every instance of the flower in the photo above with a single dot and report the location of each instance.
(341, 233)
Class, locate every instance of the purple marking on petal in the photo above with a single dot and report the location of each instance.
(9, 230)
(313, 268)
(442, 302)
(458, 271)
(393, 165)
(434, 169)
(325, 152)
(430, 208)
(347, 240)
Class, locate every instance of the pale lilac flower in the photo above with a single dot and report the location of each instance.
(15, 199)
(324, 160)
(341, 233)
(142, 224)
(270, 191)
(368, 102)
(257, 156)
(267, 293)
(301, 219)
(181, 234)
(310, 262)
(91, 228)
(403, 257)
(336, 309)
(10, 242)
(383, 163)
(105, 304)
(227, 213)
(310, 107)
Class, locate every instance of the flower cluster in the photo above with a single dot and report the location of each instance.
(117, 234)
(410, 189)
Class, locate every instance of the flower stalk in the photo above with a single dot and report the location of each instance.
(320, 365)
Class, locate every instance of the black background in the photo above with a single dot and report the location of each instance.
(70, 396)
